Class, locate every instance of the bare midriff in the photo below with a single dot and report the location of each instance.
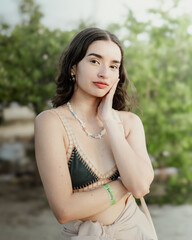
(108, 216)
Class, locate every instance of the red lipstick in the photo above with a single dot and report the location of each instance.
(101, 85)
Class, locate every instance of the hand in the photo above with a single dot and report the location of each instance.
(104, 110)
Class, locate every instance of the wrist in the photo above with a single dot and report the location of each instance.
(114, 127)
(112, 122)
(111, 194)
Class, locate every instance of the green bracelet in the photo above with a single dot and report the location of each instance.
(110, 193)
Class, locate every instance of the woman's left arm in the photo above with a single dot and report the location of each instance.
(130, 154)
(130, 151)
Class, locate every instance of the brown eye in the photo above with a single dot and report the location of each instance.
(94, 61)
(114, 67)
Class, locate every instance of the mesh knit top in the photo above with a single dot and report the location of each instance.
(84, 175)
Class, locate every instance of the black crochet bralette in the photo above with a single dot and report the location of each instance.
(84, 175)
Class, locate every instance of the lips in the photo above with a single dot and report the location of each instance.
(101, 85)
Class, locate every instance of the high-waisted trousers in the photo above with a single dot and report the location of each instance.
(132, 224)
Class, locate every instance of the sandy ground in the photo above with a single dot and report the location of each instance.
(25, 215)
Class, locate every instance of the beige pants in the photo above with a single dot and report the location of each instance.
(132, 224)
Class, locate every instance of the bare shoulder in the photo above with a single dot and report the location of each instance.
(129, 117)
(46, 115)
(130, 121)
(48, 118)
(49, 121)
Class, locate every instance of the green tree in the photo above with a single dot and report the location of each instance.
(29, 55)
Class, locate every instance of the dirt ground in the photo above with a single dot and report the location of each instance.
(25, 215)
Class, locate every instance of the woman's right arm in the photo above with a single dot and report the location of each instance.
(52, 164)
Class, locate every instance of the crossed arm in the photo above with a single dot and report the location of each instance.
(135, 170)
(130, 153)
(52, 165)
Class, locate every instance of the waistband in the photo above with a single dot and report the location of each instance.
(131, 224)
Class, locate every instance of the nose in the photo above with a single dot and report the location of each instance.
(103, 72)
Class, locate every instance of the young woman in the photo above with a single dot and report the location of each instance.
(91, 153)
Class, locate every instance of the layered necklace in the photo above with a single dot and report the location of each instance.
(97, 136)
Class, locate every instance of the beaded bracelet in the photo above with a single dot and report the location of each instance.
(110, 193)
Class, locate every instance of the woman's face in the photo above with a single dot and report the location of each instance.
(99, 69)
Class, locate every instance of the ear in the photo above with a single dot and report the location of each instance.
(73, 69)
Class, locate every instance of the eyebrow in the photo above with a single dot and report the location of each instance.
(99, 56)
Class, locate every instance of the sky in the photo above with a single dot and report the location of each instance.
(65, 14)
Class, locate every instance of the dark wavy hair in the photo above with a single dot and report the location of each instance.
(74, 53)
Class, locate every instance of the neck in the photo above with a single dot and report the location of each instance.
(85, 107)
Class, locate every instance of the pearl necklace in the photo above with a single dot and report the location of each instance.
(98, 136)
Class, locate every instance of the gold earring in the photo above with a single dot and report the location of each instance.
(73, 77)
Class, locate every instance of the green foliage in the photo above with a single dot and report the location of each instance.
(158, 63)
(29, 56)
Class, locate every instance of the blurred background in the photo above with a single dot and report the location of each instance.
(157, 40)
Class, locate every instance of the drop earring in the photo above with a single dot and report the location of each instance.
(73, 77)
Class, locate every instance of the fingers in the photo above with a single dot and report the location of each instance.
(105, 105)
(115, 84)
(109, 96)
(113, 88)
